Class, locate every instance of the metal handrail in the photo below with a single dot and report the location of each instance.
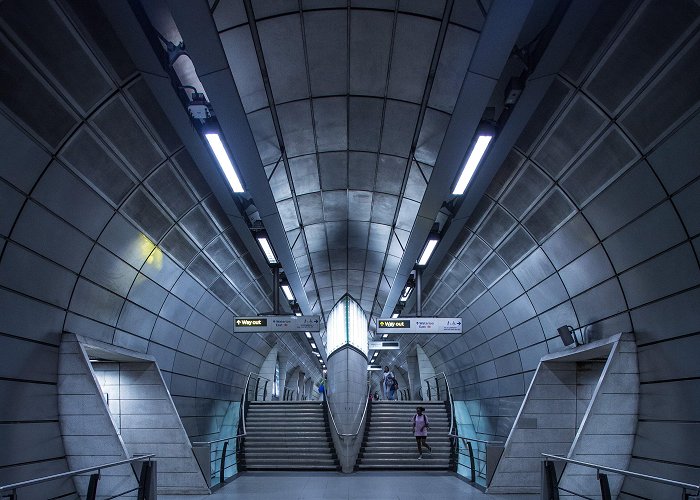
(72, 473)
(623, 472)
(463, 438)
(204, 443)
(359, 426)
(245, 397)
(449, 395)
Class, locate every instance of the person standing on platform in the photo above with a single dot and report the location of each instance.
(388, 384)
(420, 430)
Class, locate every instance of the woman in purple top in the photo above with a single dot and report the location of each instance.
(420, 430)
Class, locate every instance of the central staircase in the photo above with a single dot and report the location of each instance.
(288, 435)
(389, 443)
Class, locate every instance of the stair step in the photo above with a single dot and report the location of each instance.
(286, 466)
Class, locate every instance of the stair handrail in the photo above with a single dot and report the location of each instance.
(15, 486)
(623, 472)
(359, 426)
(449, 397)
(244, 399)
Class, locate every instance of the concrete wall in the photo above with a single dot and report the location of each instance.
(88, 428)
(594, 422)
(148, 423)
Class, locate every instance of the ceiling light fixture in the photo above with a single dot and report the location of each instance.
(385, 335)
(288, 292)
(476, 154)
(313, 345)
(225, 163)
(395, 315)
(406, 292)
(428, 249)
(308, 335)
(266, 248)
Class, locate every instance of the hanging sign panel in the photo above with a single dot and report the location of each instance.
(419, 325)
(383, 345)
(276, 324)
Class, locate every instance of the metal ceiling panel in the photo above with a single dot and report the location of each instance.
(327, 50)
(284, 56)
(370, 41)
(331, 121)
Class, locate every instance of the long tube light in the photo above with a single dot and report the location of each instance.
(308, 335)
(406, 293)
(264, 243)
(428, 249)
(225, 163)
(475, 157)
(288, 292)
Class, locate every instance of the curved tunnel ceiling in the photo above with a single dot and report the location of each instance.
(107, 228)
(361, 125)
(348, 109)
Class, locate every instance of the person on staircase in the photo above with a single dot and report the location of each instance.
(420, 430)
(388, 385)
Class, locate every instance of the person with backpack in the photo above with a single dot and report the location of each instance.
(420, 430)
(388, 385)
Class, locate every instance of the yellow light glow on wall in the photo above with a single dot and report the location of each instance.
(150, 252)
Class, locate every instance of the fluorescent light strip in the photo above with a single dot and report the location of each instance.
(288, 292)
(473, 161)
(395, 315)
(406, 293)
(308, 335)
(313, 346)
(297, 313)
(427, 251)
(385, 335)
(224, 162)
(267, 250)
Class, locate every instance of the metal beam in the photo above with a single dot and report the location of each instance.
(503, 24)
(572, 25)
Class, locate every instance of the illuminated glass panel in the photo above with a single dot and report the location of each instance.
(347, 324)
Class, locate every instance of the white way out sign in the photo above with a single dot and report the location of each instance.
(419, 325)
(276, 324)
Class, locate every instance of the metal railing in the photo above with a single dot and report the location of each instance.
(454, 459)
(487, 465)
(551, 487)
(439, 394)
(288, 394)
(362, 419)
(145, 488)
(210, 455)
(240, 436)
(258, 378)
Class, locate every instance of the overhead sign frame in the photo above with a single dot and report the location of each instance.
(267, 324)
(420, 325)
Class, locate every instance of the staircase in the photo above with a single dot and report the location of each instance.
(389, 443)
(288, 435)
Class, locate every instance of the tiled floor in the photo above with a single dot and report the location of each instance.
(337, 486)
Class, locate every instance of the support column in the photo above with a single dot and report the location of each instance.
(419, 293)
(347, 394)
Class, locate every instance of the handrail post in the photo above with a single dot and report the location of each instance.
(604, 486)
(265, 391)
(223, 463)
(471, 460)
(437, 388)
(257, 385)
(430, 396)
(144, 491)
(550, 486)
(92, 486)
